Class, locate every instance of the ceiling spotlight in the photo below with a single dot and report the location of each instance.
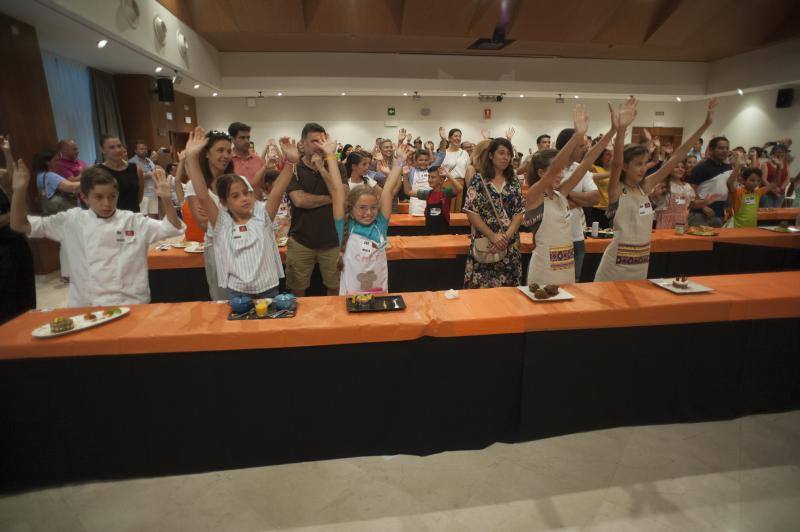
(521, 95)
(344, 94)
(102, 43)
(159, 69)
(740, 91)
(196, 85)
(280, 94)
(464, 94)
(678, 98)
(576, 96)
(405, 94)
(214, 94)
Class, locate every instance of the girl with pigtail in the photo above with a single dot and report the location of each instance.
(362, 223)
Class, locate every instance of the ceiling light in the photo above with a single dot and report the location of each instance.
(214, 94)
(576, 96)
(740, 91)
(405, 94)
(344, 94)
(102, 43)
(196, 85)
(678, 98)
(464, 94)
(521, 95)
(159, 69)
(280, 94)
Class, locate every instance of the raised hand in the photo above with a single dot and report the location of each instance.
(5, 143)
(647, 136)
(627, 112)
(328, 145)
(581, 119)
(442, 133)
(289, 148)
(614, 116)
(659, 189)
(196, 142)
(510, 133)
(163, 189)
(21, 177)
(530, 151)
(401, 135)
(408, 138)
(712, 104)
(485, 133)
(182, 155)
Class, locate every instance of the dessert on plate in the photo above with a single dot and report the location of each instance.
(681, 281)
(61, 325)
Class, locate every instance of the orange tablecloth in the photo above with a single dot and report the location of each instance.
(787, 213)
(202, 326)
(755, 236)
(457, 219)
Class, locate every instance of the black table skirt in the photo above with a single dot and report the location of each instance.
(417, 275)
(73, 419)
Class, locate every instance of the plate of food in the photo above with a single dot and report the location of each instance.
(681, 285)
(196, 247)
(371, 303)
(601, 233)
(783, 227)
(548, 292)
(701, 230)
(65, 325)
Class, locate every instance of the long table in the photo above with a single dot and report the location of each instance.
(176, 388)
(437, 262)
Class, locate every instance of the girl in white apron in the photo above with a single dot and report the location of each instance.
(629, 205)
(362, 222)
(547, 211)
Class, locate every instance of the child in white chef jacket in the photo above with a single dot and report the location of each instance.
(106, 247)
(362, 223)
(247, 258)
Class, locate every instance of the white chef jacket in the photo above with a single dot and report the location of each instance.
(107, 256)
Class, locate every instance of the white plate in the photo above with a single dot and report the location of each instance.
(562, 295)
(180, 245)
(80, 323)
(777, 229)
(693, 288)
(195, 249)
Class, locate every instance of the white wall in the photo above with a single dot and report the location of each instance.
(750, 120)
(359, 120)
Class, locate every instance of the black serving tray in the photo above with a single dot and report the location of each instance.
(270, 310)
(600, 236)
(377, 304)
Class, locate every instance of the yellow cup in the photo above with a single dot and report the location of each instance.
(261, 307)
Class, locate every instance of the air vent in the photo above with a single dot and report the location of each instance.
(489, 44)
(659, 113)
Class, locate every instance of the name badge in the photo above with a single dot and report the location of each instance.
(645, 208)
(680, 201)
(749, 200)
(434, 212)
(366, 247)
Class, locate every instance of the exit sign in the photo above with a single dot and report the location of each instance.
(390, 111)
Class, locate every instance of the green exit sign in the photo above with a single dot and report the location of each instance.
(390, 111)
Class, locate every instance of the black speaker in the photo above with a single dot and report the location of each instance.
(165, 92)
(785, 98)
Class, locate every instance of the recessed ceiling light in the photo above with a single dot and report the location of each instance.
(464, 94)
(521, 95)
(102, 43)
(214, 94)
(678, 98)
(405, 94)
(576, 96)
(344, 94)
(159, 69)
(740, 91)
(196, 85)
(280, 94)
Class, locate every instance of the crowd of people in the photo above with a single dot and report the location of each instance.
(330, 204)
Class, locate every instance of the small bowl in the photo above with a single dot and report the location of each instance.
(241, 304)
(285, 302)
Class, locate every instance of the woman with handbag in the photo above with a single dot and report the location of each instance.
(494, 207)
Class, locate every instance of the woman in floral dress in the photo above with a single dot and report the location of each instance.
(496, 179)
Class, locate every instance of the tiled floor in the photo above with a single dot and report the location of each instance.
(741, 475)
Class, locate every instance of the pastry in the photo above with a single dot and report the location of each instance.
(551, 289)
(681, 281)
(533, 287)
(89, 316)
(702, 230)
(541, 294)
(61, 325)
(362, 301)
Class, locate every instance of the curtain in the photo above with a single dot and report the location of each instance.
(70, 95)
(107, 118)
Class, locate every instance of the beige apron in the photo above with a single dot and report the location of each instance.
(553, 260)
(628, 255)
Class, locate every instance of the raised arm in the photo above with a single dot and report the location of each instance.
(5, 147)
(560, 161)
(286, 175)
(194, 146)
(19, 206)
(590, 157)
(333, 179)
(392, 184)
(455, 184)
(680, 154)
(620, 120)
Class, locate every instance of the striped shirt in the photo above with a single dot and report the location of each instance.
(246, 255)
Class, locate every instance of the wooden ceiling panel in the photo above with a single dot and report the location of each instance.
(666, 30)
